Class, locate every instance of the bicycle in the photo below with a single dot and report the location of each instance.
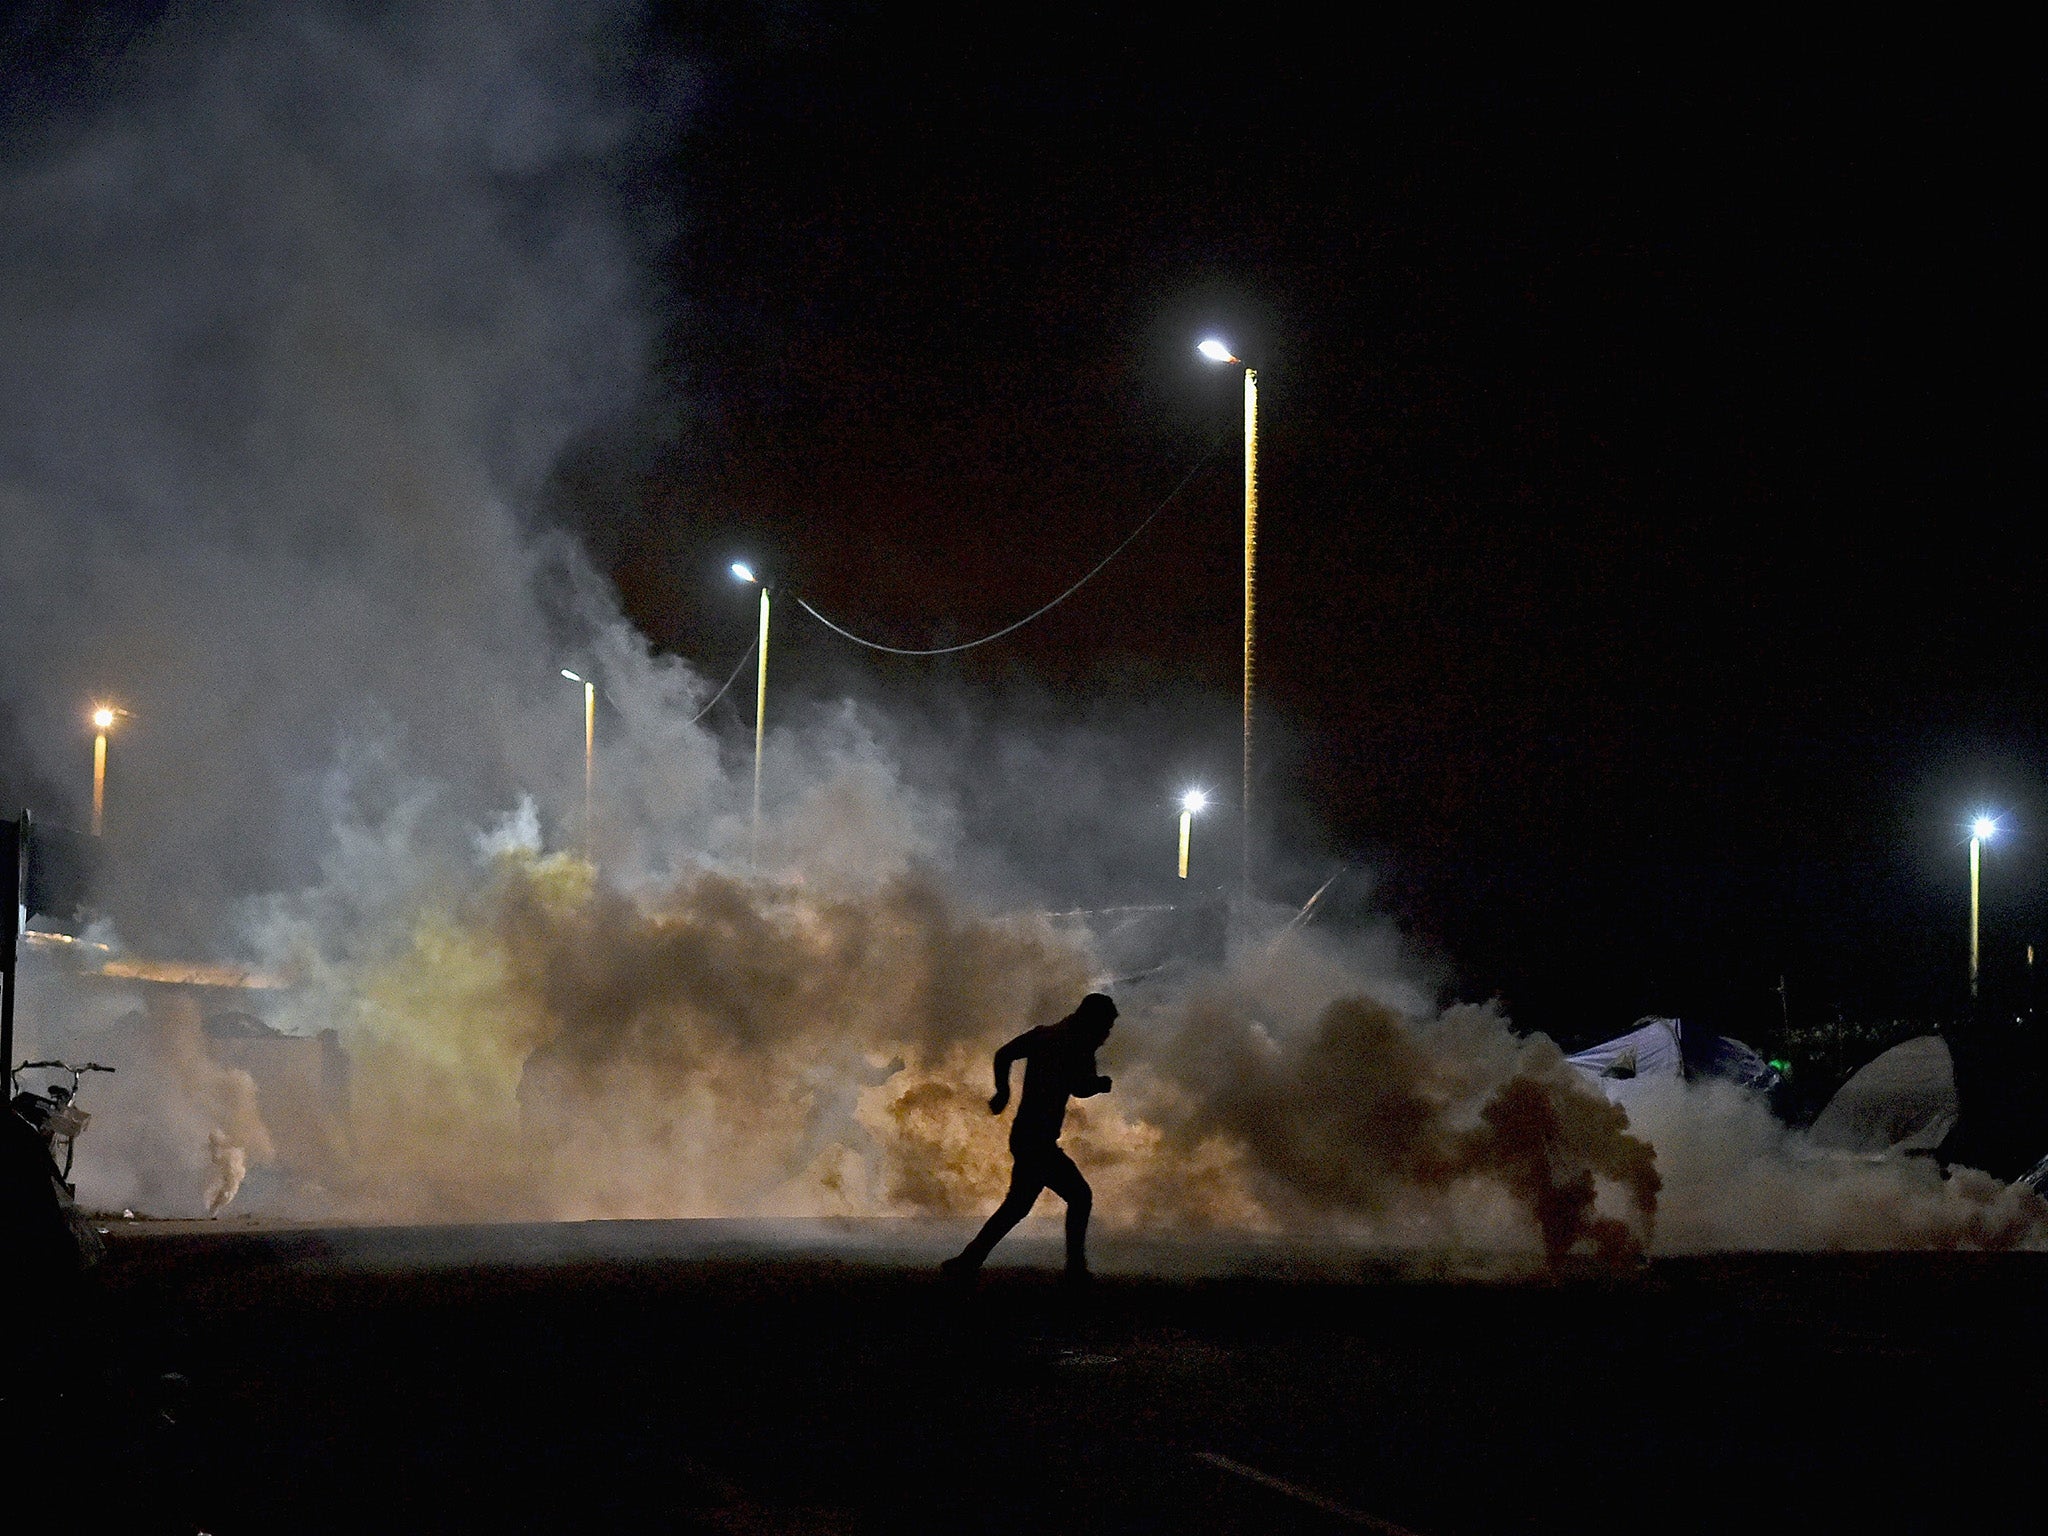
(56, 1116)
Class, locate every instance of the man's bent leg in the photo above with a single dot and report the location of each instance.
(1064, 1180)
(1027, 1181)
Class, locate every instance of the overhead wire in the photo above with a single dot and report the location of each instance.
(736, 671)
(1037, 613)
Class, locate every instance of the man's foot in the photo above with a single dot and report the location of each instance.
(1077, 1276)
(960, 1270)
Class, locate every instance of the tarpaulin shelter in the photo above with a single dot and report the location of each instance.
(1976, 1095)
(1664, 1049)
(1903, 1100)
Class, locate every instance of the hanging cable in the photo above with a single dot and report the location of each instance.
(948, 650)
(736, 671)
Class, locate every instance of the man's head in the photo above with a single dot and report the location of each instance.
(1095, 1016)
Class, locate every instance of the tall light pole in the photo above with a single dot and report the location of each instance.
(103, 718)
(1981, 831)
(589, 753)
(745, 573)
(1216, 352)
(1190, 804)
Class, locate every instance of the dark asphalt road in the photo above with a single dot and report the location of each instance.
(722, 1377)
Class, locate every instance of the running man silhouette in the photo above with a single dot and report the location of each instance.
(1059, 1064)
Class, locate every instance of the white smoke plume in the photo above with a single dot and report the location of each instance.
(1737, 1178)
(229, 1166)
(302, 305)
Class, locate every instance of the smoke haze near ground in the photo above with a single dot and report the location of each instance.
(301, 312)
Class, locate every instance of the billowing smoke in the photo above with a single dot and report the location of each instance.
(302, 301)
(548, 1044)
(1735, 1177)
(303, 306)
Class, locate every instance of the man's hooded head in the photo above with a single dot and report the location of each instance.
(1095, 1017)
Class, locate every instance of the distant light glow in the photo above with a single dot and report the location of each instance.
(1983, 828)
(571, 675)
(1194, 801)
(1216, 352)
(742, 572)
(103, 718)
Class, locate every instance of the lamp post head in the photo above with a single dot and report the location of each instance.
(1194, 802)
(743, 572)
(573, 677)
(1982, 828)
(1217, 352)
(103, 718)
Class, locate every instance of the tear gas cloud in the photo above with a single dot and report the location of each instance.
(303, 308)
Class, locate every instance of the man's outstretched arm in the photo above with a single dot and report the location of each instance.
(1021, 1046)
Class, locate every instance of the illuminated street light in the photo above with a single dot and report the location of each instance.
(1191, 804)
(589, 751)
(1982, 830)
(1216, 352)
(745, 573)
(103, 718)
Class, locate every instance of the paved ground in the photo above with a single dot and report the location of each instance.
(728, 1377)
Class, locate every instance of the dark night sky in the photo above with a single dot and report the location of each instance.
(1649, 455)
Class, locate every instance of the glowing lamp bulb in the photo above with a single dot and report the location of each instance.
(1216, 352)
(103, 718)
(1194, 801)
(573, 677)
(1982, 828)
(742, 572)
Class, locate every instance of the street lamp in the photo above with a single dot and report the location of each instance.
(1191, 803)
(589, 751)
(103, 718)
(744, 573)
(1982, 829)
(1217, 352)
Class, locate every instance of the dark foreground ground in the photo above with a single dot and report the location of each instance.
(713, 1377)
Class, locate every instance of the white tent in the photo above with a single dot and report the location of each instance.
(1651, 1049)
(1660, 1049)
(1904, 1101)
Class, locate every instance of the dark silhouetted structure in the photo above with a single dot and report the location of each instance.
(1059, 1064)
